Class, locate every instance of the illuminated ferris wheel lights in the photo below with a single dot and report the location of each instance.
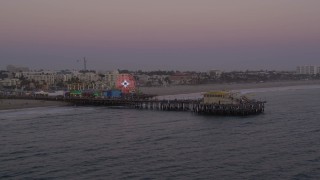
(125, 83)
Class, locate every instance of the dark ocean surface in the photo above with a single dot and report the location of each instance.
(115, 143)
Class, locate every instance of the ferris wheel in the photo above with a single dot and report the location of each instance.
(126, 83)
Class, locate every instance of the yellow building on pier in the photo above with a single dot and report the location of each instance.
(219, 97)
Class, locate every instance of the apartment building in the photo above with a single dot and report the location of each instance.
(310, 70)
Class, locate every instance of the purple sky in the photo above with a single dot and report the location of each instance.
(165, 34)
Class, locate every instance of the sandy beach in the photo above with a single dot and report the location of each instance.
(6, 104)
(186, 89)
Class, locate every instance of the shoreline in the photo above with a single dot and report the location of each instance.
(188, 89)
(11, 104)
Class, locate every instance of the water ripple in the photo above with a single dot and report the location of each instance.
(116, 143)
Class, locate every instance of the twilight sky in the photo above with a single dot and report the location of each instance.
(160, 34)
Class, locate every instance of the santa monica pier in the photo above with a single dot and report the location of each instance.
(126, 94)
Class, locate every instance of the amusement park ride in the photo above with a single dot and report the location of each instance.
(126, 83)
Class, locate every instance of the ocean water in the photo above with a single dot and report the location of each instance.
(117, 143)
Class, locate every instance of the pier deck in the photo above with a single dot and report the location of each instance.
(195, 106)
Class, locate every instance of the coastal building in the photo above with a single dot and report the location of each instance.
(111, 78)
(7, 82)
(215, 73)
(80, 86)
(180, 78)
(158, 80)
(142, 79)
(6, 74)
(64, 77)
(88, 77)
(308, 70)
(46, 77)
